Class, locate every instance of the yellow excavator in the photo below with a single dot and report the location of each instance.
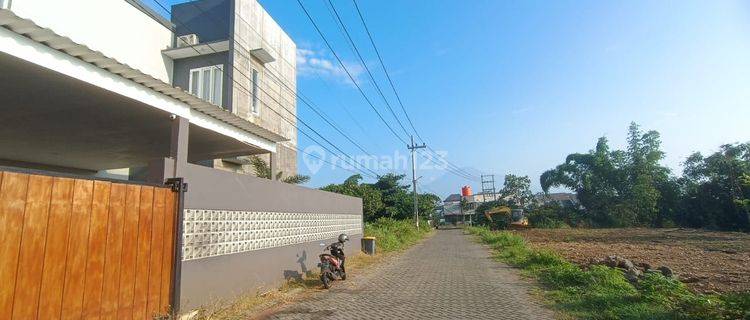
(515, 218)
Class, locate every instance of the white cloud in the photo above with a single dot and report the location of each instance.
(311, 62)
(521, 110)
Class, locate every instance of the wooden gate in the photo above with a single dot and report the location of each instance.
(79, 248)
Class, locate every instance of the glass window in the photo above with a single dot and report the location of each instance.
(206, 83)
(194, 81)
(255, 92)
(216, 92)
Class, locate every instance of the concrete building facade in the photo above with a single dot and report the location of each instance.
(257, 59)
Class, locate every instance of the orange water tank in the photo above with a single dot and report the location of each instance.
(466, 191)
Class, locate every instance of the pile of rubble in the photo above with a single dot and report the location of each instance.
(632, 271)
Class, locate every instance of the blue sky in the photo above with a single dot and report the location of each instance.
(515, 86)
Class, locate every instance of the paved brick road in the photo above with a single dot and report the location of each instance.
(446, 277)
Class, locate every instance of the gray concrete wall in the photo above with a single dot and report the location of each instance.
(287, 159)
(209, 19)
(205, 280)
(217, 279)
(222, 190)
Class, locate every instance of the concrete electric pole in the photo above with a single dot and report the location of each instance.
(413, 148)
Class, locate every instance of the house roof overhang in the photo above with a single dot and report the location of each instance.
(63, 44)
(64, 104)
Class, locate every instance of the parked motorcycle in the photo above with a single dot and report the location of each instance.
(332, 265)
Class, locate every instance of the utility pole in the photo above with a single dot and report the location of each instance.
(488, 187)
(412, 148)
(461, 210)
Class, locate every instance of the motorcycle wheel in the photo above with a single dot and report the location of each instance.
(325, 280)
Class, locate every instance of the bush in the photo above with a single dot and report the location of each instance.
(736, 305)
(394, 235)
(553, 215)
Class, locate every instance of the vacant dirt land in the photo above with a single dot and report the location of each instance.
(706, 261)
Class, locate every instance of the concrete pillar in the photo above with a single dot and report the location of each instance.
(178, 148)
(273, 164)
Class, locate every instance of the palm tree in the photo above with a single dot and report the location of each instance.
(263, 170)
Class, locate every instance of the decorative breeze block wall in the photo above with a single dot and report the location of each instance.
(209, 233)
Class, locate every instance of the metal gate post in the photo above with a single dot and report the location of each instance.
(178, 185)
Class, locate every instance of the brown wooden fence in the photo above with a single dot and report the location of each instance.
(78, 248)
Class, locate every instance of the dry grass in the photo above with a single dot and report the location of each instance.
(249, 305)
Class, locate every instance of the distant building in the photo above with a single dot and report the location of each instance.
(452, 211)
(484, 197)
(453, 198)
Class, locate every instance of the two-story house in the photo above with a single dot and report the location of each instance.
(233, 54)
(212, 55)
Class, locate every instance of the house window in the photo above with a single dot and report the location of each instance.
(254, 107)
(205, 83)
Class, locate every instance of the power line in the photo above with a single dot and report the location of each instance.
(334, 164)
(393, 87)
(452, 171)
(452, 165)
(346, 110)
(317, 74)
(314, 109)
(328, 6)
(299, 94)
(456, 170)
(277, 102)
(346, 70)
(387, 75)
(364, 64)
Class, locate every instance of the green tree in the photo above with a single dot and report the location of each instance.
(553, 215)
(372, 203)
(620, 187)
(716, 190)
(387, 197)
(428, 204)
(517, 189)
(643, 171)
(745, 201)
(598, 179)
(396, 202)
(630, 187)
